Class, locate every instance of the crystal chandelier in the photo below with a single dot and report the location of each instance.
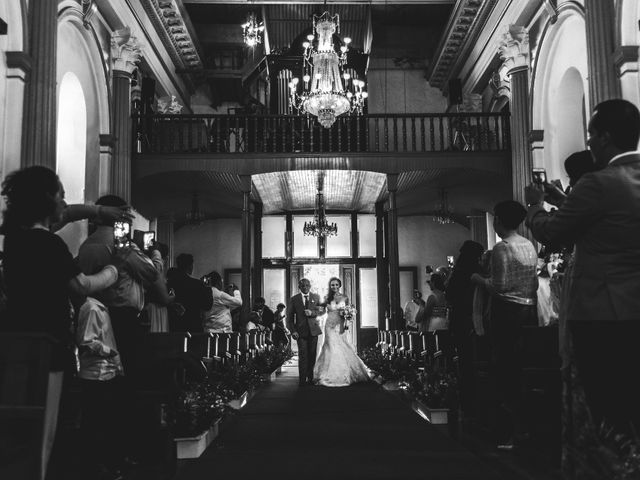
(324, 94)
(443, 212)
(252, 30)
(320, 227)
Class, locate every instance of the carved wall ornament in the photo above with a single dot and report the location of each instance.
(514, 48)
(125, 51)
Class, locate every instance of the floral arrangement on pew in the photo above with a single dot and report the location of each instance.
(389, 366)
(197, 406)
(269, 360)
(435, 387)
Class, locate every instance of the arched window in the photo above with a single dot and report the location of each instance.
(72, 138)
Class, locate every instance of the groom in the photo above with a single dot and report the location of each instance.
(304, 328)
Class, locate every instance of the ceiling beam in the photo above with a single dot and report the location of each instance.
(333, 2)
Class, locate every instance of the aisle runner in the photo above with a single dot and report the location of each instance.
(288, 432)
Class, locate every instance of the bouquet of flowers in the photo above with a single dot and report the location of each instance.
(347, 312)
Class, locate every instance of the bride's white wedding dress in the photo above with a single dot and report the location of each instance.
(338, 364)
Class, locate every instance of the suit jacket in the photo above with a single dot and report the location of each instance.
(298, 322)
(601, 216)
(196, 298)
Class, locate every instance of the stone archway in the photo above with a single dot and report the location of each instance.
(559, 104)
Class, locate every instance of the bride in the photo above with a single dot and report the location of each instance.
(338, 364)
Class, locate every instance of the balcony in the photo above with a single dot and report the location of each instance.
(236, 143)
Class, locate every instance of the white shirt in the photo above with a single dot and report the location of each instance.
(96, 341)
(635, 152)
(410, 311)
(218, 318)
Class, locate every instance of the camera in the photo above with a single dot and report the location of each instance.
(539, 175)
(121, 234)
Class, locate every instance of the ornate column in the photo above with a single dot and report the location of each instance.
(257, 249)
(514, 52)
(18, 71)
(394, 260)
(39, 114)
(125, 55)
(245, 181)
(600, 24)
(381, 267)
(165, 235)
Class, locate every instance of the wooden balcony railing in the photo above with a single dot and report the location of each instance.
(271, 134)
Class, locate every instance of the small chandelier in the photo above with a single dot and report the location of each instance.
(443, 212)
(320, 227)
(324, 94)
(252, 30)
(195, 216)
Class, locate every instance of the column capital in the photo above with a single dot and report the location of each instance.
(125, 51)
(514, 50)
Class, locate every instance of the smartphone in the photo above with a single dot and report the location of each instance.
(539, 175)
(121, 234)
(147, 239)
(450, 261)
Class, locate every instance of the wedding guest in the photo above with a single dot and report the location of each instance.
(513, 285)
(601, 216)
(102, 400)
(280, 330)
(218, 318)
(434, 316)
(191, 293)
(159, 297)
(126, 298)
(459, 294)
(411, 309)
(235, 311)
(40, 274)
(265, 314)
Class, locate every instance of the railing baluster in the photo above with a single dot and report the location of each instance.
(377, 134)
(413, 134)
(506, 129)
(423, 145)
(331, 138)
(386, 134)
(283, 137)
(178, 124)
(496, 132)
(395, 134)
(479, 134)
(254, 148)
(321, 137)
(432, 134)
(274, 135)
(190, 134)
(310, 134)
(404, 134)
(237, 134)
(358, 133)
(339, 125)
(217, 120)
(265, 131)
(441, 135)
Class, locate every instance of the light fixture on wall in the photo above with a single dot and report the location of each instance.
(320, 227)
(443, 212)
(195, 216)
(252, 30)
(324, 94)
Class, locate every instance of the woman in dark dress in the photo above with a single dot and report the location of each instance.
(460, 291)
(40, 274)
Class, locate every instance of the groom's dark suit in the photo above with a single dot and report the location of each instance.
(308, 329)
